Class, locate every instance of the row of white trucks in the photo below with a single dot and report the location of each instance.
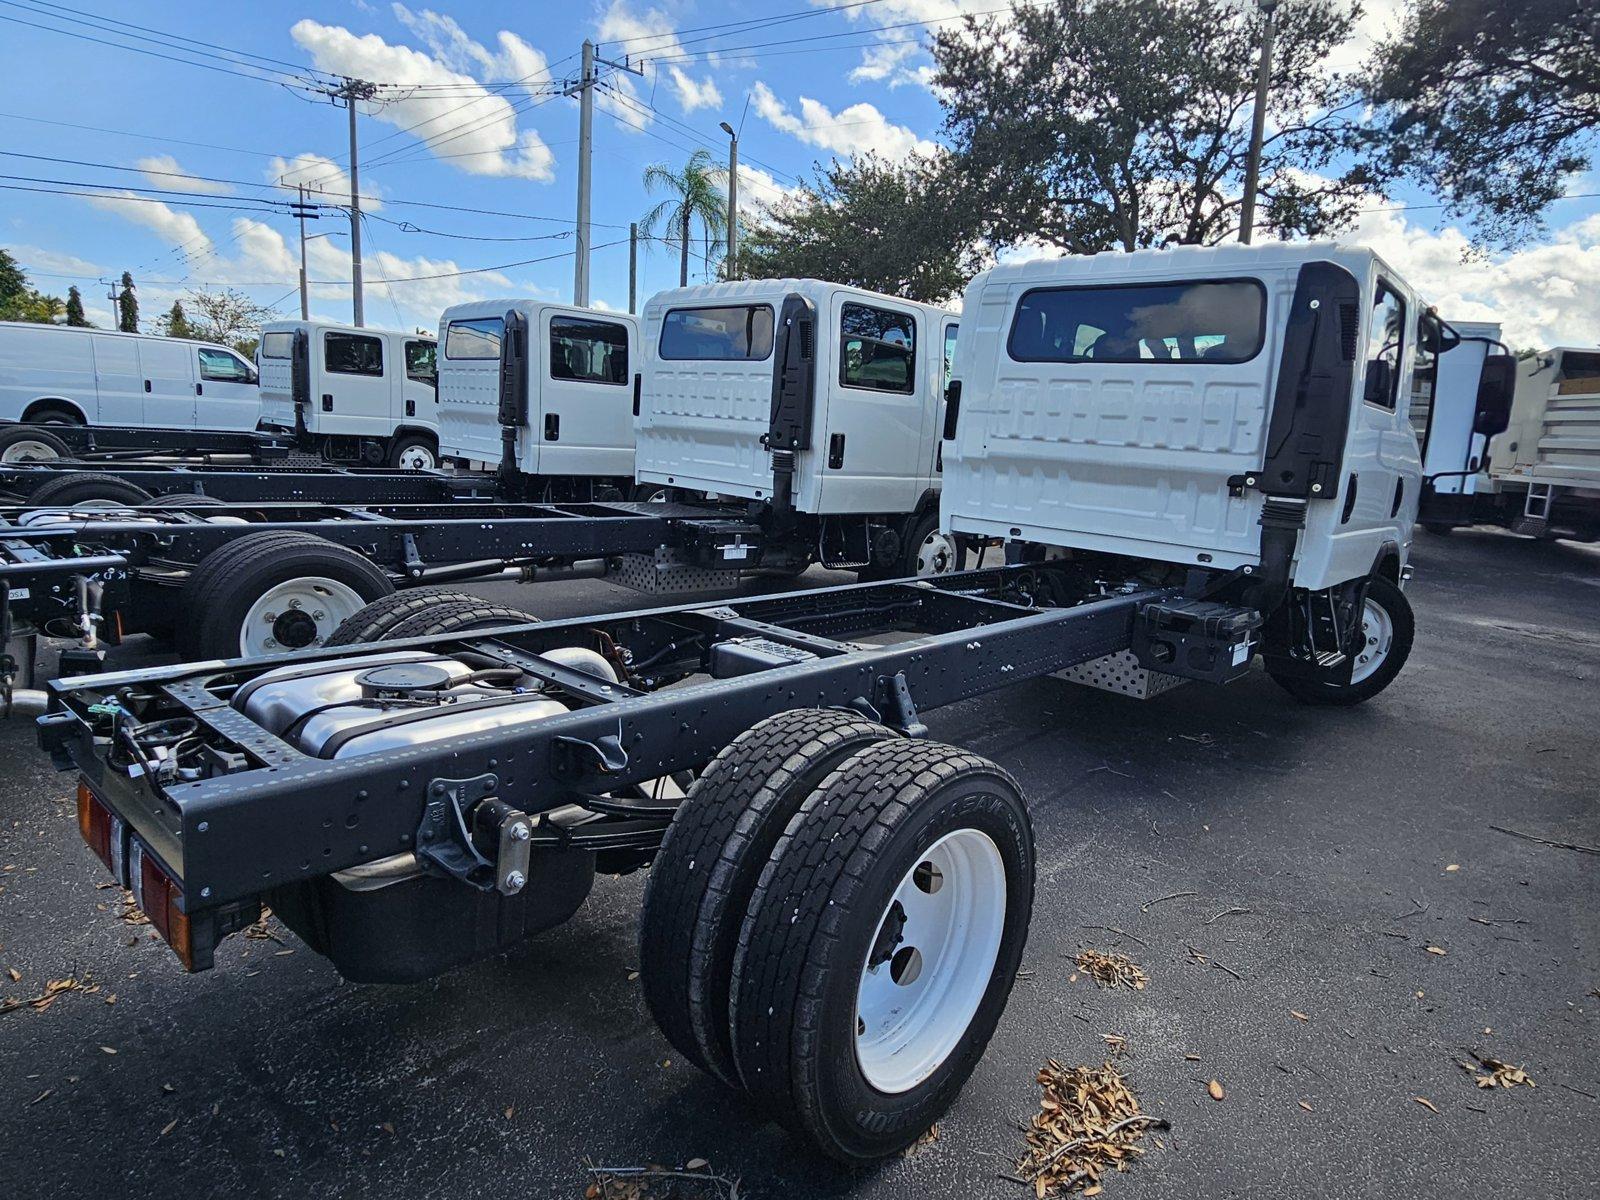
(1194, 458)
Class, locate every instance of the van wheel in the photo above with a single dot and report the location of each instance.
(413, 453)
(275, 592)
(373, 623)
(24, 443)
(75, 487)
(880, 945)
(719, 840)
(1387, 629)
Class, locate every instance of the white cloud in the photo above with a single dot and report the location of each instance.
(322, 176)
(171, 226)
(693, 93)
(515, 62)
(473, 128)
(848, 132)
(648, 35)
(163, 171)
(37, 258)
(885, 62)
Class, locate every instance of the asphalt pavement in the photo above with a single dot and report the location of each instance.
(1329, 922)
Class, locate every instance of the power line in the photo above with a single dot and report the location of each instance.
(746, 24)
(153, 137)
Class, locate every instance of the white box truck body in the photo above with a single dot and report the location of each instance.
(52, 374)
(867, 440)
(356, 395)
(543, 389)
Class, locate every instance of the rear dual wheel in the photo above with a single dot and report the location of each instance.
(878, 934)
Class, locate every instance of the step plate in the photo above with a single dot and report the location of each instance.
(1121, 673)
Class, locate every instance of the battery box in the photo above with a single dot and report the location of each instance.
(743, 656)
(1196, 639)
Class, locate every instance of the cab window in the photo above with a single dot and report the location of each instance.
(950, 332)
(218, 366)
(422, 364)
(277, 345)
(476, 338)
(877, 349)
(352, 354)
(588, 351)
(1386, 329)
(1219, 321)
(721, 334)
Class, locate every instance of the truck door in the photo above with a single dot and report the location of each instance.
(354, 390)
(419, 387)
(118, 384)
(227, 395)
(469, 388)
(168, 368)
(584, 418)
(881, 408)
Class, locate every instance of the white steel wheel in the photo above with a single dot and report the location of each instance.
(416, 457)
(931, 961)
(938, 554)
(296, 614)
(29, 449)
(1377, 637)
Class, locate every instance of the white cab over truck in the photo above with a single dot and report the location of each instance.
(1546, 466)
(360, 396)
(820, 403)
(66, 376)
(543, 391)
(1236, 410)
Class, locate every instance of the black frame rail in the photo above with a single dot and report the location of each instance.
(277, 484)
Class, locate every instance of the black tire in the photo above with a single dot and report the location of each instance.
(654, 493)
(76, 487)
(413, 441)
(710, 859)
(225, 584)
(184, 501)
(457, 616)
(815, 916)
(1393, 601)
(373, 623)
(29, 443)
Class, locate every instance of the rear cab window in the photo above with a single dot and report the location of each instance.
(352, 354)
(477, 337)
(877, 349)
(422, 365)
(718, 334)
(277, 345)
(1386, 333)
(588, 351)
(1216, 321)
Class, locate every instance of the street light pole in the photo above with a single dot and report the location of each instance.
(1258, 121)
(733, 200)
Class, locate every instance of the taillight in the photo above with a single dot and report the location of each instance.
(161, 899)
(103, 832)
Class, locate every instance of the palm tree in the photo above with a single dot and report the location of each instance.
(692, 194)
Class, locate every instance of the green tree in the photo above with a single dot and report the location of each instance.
(127, 306)
(889, 227)
(75, 314)
(1494, 103)
(13, 282)
(227, 317)
(692, 195)
(1101, 124)
(19, 301)
(176, 322)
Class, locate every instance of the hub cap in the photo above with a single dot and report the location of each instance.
(930, 962)
(938, 554)
(295, 614)
(1377, 635)
(417, 458)
(29, 450)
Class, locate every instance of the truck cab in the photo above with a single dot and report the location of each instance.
(353, 395)
(544, 391)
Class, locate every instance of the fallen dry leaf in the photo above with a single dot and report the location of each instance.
(16, 975)
(1497, 1073)
(1298, 1016)
(700, 1164)
(1439, 950)
(511, 1111)
(1216, 1091)
(1453, 867)
(1427, 1104)
(929, 1137)
(169, 1127)
(1191, 1058)
(1112, 970)
(1088, 1122)
(1304, 1105)
(108, 1050)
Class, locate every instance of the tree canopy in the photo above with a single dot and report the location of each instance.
(19, 300)
(176, 322)
(127, 306)
(1101, 124)
(692, 194)
(894, 228)
(75, 314)
(1493, 103)
(227, 317)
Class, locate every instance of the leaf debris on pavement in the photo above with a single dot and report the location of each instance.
(692, 1181)
(53, 991)
(1089, 1122)
(1112, 970)
(1491, 1072)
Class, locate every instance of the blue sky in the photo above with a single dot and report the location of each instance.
(812, 81)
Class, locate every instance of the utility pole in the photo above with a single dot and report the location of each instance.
(302, 210)
(116, 308)
(351, 91)
(733, 200)
(633, 265)
(1252, 171)
(584, 90)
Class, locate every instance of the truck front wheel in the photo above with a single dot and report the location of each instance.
(1387, 629)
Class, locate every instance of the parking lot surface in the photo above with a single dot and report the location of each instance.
(1329, 921)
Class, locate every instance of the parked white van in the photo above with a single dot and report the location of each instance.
(352, 395)
(65, 375)
(543, 390)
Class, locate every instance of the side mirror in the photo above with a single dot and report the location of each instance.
(1496, 387)
(1380, 383)
(952, 408)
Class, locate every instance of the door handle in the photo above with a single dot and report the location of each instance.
(147, 385)
(327, 402)
(199, 389)
(552, 427)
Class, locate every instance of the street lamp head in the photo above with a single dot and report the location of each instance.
(728, 129)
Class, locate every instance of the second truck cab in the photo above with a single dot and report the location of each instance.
(367, 396)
